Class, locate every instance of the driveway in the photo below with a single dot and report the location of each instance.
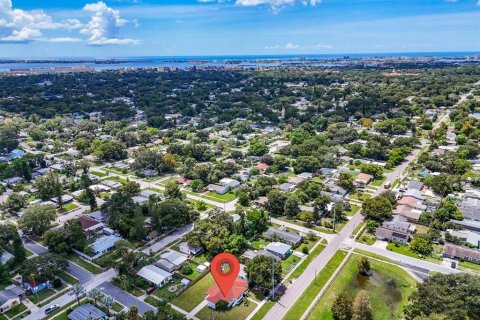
(125, 298)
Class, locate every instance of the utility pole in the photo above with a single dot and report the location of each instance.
(334, 216)
(273, 279)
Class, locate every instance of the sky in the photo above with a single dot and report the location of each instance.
(122, 28)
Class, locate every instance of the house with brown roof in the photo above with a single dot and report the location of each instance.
(262, 166)
(90, 226)
(452, 251)
(363, 179)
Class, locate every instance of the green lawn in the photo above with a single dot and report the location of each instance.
(374, 255)
(304, 301)
(164, 293)
(164, 182)
(227, 197)
(367, 239)
(98, 174)
(19, 308)
(238, 312)
(115, 178)
(388, 288)
(69, 207)
(358, 227)
(117, 307)
(406, 251)
(191, 297)
(353, 210)
(84, 264)
(377, 182)
(289, 263)
(470, 265)
(195, 274)
(68, 278)
(258, 243)
(306, 261)
(40, 296)
(152, 301)
(263, 310)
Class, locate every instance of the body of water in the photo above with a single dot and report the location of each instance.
(7, 64)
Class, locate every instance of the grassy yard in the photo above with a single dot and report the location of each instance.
(306, 262)
(353, 210)
(69, 207)
(191, 297)
(84, 264)
(16, 310)
(388, 288)
(40, 296)
(259, 244)
(470, 265)
(263, 310)
(367, 239)
(406, 251)
(227, 197)
(238, 312)
(358, 227)
(164, 182)
(289, 263)
(377, 182)
(304, 301)
(98, 174)
(118, 179)
(195, 274)
(68, 278)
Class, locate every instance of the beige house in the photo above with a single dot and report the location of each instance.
(10, 297)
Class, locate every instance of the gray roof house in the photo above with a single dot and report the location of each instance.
(279, 249)
(288, 237)
(416, 185)
(187, 248)
(287, 187)
(87, 312)
(452, 251)
(176, 259)
(218, 189)
(10, 297)
(470, 208)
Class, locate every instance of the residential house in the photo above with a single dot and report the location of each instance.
(262, 166)
(363, 179)
(5, 257)
(233, 297)
(305, 175)
(171, 261)
(260, 201)
(466, 236)
(452, 251)
(279, 249)
(470, 207)
(183, 181)
(90, 226)
(187, 248)
(295, 180)
(87, 312)
(12, 181)
(416, 185)
(397, 229)
(10, 297)
(155, 275)
(218, 189)
(287, 187)
(288, 237)
(65, 199)
(104, 244)
(230, 183)
(112, 184)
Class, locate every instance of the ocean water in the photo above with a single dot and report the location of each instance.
(189, 61)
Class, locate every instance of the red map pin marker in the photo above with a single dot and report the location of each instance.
(225, 268)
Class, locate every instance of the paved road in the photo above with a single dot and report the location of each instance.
(162, 243)
(293, 292)
(66, 298)
(406, 261)
(125, 298)
(75, 270)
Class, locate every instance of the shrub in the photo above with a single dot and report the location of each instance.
(187, 269)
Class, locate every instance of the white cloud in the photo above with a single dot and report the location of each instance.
(105, 25)
(64, 39)
(275, 4)
(292, 46)
(23, 26)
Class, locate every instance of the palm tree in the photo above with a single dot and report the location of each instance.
(95, 294)
(107, 301)
(78, 291)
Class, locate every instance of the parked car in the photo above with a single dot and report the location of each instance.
(52, 308)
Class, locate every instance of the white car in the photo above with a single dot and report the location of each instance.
(52, 308)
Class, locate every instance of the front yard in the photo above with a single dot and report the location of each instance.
(191, 297)
(238, 312)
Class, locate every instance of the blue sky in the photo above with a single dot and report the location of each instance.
(63, 28)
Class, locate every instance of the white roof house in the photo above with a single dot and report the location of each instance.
(155, 275)
(229, 183)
